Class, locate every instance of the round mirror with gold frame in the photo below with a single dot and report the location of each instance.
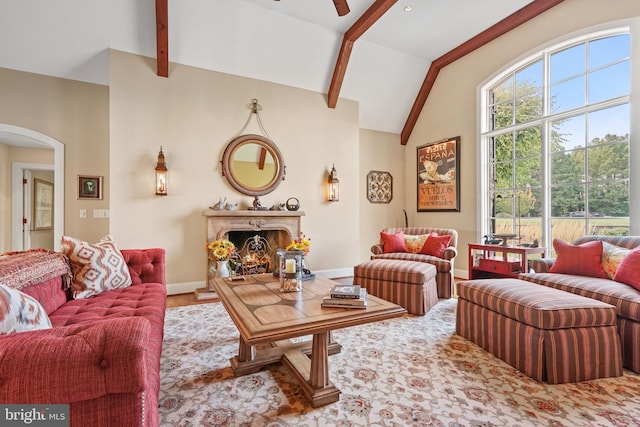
(253, 165)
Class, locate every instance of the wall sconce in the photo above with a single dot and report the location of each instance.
(161, 175)
(333, 185)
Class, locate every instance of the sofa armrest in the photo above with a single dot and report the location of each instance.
(541, 265)
(449, 253)
(75, 363)
(377, 249)
(146, 265)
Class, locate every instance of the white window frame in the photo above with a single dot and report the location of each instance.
(628, 26)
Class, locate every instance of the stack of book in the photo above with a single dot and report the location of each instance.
(346, 296)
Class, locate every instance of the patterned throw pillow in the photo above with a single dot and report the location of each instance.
(20, 313)
(96, 268)
(580, 260)
(415, 242)
(612, 256)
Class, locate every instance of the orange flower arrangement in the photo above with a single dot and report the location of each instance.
(302, 243)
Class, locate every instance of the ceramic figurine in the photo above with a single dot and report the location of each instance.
(220, 205)
(231, 206)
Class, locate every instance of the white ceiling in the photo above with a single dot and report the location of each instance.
(292, 42)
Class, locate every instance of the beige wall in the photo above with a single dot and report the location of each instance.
(74, 113)
(380, 151)
(451, 108)
(193, 114)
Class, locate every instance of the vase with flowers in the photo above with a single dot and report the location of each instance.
(302, 243)
(220, 251)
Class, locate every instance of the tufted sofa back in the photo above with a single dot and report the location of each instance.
(145, 265)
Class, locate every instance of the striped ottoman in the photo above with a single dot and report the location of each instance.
(409, 284)
(548, 334)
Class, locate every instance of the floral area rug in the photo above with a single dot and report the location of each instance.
(411, 371)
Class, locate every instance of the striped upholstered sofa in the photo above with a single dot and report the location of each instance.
(625, 298)
(444, 265)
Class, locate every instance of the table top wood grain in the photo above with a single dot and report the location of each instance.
(264, 314)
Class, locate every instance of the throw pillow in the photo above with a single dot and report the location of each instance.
(612, 256)
(96, 268)
(20, 313)
(415, 242)
(629, 270)
(393, 242)
(581, 260)
(435, 245)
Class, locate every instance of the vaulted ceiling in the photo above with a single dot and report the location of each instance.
(385, 54)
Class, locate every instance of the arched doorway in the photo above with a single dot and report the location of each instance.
(13, 135)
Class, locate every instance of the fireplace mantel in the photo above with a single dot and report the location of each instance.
(220, 222)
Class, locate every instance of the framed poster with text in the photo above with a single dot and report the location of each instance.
(438, 176)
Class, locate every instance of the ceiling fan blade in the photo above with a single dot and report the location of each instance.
(341, 7)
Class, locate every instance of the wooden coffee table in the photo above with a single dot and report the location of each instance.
(265, 316)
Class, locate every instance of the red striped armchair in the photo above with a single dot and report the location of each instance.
(444, 265)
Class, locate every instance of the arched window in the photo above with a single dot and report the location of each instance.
(555, 142)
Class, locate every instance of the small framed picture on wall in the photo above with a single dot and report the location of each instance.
(89, 187)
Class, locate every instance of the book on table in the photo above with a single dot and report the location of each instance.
(346, 291)
(360, 302)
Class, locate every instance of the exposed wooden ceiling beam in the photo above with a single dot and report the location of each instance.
(512, 21)
(375, 11)
(162, 37)
(341, 7)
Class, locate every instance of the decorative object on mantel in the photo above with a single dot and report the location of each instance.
(219, 252)
(257, 205)
(333, 185)
(220, 205)
(253, 164)
(161, 175)
(293, 204)
(231, 206)
(379, 187)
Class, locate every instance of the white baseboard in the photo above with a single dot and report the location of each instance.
(335, 273)
(183, 288)
(188, 287)
(461, 274)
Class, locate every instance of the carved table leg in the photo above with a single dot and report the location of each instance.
(313, 375)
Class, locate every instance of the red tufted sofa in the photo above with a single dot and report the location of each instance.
(102, 356)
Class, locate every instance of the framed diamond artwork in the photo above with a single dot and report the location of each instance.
(379, 187)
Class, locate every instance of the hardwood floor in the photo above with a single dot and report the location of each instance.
(190, 298)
